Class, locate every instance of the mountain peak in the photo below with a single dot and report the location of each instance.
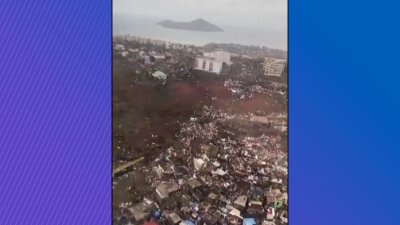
(199, 19)
(198, 24)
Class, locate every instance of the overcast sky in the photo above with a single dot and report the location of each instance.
(267, 14)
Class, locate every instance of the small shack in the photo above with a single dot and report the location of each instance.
(159, 75)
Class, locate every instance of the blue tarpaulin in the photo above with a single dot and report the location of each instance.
(249, 221)
(188, 222)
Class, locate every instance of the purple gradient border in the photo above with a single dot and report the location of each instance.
(55, 138)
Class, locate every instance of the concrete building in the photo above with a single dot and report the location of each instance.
(207, 63)
(213, 61)
(255, 208)
(140, 212)
(220, 56)
(240, 202)
(274, 67)
(164, 189)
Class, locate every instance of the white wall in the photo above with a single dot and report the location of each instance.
(223, 56)
(220, 56)
(209, 54)
(274, 67)
(217, 66)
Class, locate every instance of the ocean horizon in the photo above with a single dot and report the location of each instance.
(146, 27)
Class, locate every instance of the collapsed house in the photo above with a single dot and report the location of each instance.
(164, 190)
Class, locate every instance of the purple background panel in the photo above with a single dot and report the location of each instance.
(55, 102)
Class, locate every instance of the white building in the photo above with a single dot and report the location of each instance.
(213, 61)
(119, 47)
(274, 67)
(207, 63)
(221, 56)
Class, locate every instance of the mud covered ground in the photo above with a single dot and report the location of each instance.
(147, 117)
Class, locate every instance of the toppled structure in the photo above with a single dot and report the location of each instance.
(174, 219)
(164, 189)
(241, 202)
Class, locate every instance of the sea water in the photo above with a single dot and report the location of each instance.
(147, 27)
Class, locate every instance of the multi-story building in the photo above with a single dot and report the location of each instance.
(222, 56)
(209, 64)
(274, 67)
(213, 61)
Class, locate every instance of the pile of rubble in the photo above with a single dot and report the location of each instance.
(242, 91)
(223, 179)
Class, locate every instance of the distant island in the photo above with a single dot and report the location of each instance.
(195, 25)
